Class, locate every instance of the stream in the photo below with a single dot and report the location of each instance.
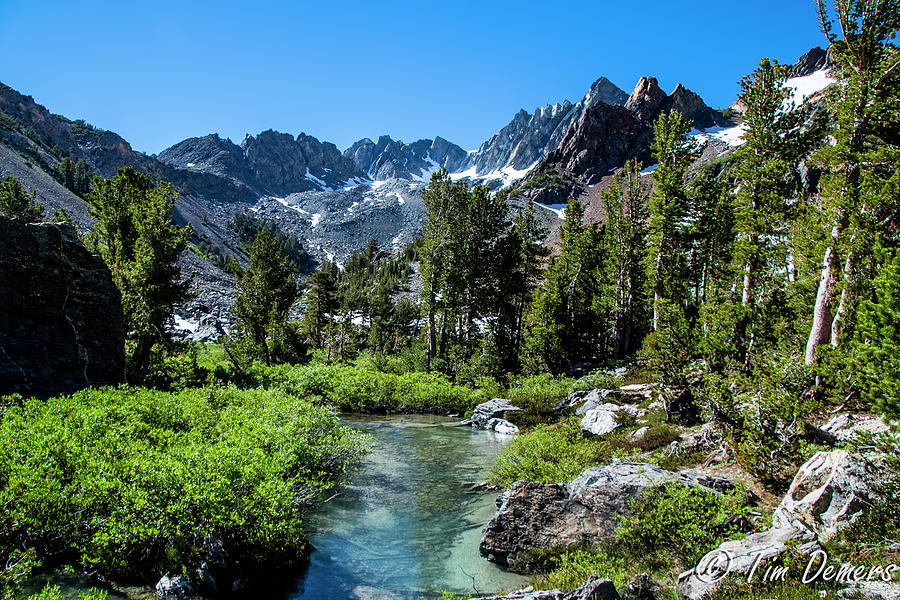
(408, 524)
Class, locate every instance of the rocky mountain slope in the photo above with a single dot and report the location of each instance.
(605, 136)
(393, 159)
(336, 201)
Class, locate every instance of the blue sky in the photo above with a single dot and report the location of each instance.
(160, 71)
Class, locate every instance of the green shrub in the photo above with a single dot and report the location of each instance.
(351, 389)
(129, 482)
(53, 592)
(678, 524)
(571, 569)
(537, 395)
(550, 454)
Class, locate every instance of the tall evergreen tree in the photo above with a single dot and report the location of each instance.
(135, 235)
(625, 243)
(566, 319)
(268, 289)
(674, 150)
(863, 157)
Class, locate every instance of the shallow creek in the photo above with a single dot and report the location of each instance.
(409, 523)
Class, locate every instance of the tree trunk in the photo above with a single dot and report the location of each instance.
(842, 305)
(818, 333)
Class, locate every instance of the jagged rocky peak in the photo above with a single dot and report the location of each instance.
(647, 100)
(814, 60)
(604, 90)
(693, 107)
(284, 165)
(393, 159)
(210, 154)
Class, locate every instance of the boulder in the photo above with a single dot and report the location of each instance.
(582, 401)
(61, 322)
(738, 558)
(485, 412)
(502, 426)
(174, 587)
(830, 491)
(603, 419)
(845, 427)
(534, 515)
(592, 589)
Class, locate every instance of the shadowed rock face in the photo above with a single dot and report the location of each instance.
(61, 324)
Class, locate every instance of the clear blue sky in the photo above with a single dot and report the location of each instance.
(157, 72)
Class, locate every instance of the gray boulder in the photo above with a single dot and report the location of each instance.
(829, 492)
(492, 410)
(845, 427)
(604, 418)
(738, 558)
(174, 587)
(534, 515)
(592, 589)
(502, 426)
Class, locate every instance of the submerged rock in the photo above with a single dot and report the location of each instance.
(488, 415)
(534, 515)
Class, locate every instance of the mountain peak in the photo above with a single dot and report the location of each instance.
(647, 99)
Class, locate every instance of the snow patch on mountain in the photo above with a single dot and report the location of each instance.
(802, 88)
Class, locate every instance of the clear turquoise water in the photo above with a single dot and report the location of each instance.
(409, 524)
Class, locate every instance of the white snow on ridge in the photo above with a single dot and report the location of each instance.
(507, 174)
(284, 202)
(310, 177)
(804, 87)
(733, 136)
(559, 209)
(315, 219)
(400, 199)
(184, 324)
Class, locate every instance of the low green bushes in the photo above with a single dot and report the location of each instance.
(352, 389)
(132, 483)
(549, 454)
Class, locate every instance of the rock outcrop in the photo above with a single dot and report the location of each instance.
(830, 491)
(534, 515)
(592, 589)
(489, 416)
(61, 324)
(393, 159)
(605, 418)
(606, 136)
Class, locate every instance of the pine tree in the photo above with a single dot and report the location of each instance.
(16, 204)
(863, 157)
(566, 322)
(674, 150)
(268, 289)
(135, 236)
(767, 190)
(321, 305)
(625, 243)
